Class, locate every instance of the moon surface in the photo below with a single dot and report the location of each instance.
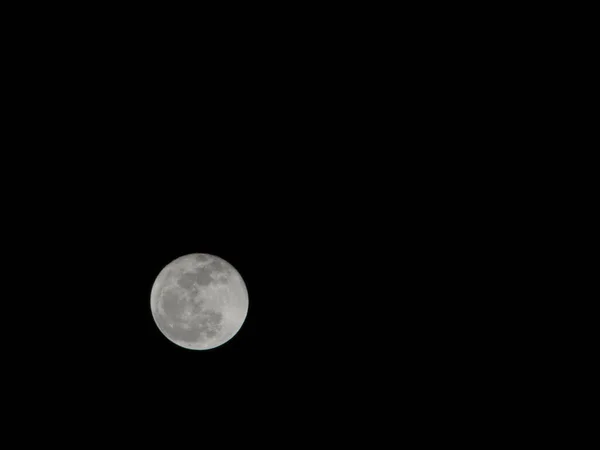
(199, 301)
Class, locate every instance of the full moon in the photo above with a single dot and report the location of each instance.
(199, 301)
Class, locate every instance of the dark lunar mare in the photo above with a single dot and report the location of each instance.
(207, 324)
(186, 281)
(202, 276)
(172, 304)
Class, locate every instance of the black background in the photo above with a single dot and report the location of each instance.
(353, 200)
(347, 269)
(335, 255)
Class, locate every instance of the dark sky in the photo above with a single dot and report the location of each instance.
(351, 282)
(364, 289)
(355, 245)
(358, 187)
(321, 294)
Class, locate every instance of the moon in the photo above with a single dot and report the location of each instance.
(199, 301)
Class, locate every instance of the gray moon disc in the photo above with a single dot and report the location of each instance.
(199, 301)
